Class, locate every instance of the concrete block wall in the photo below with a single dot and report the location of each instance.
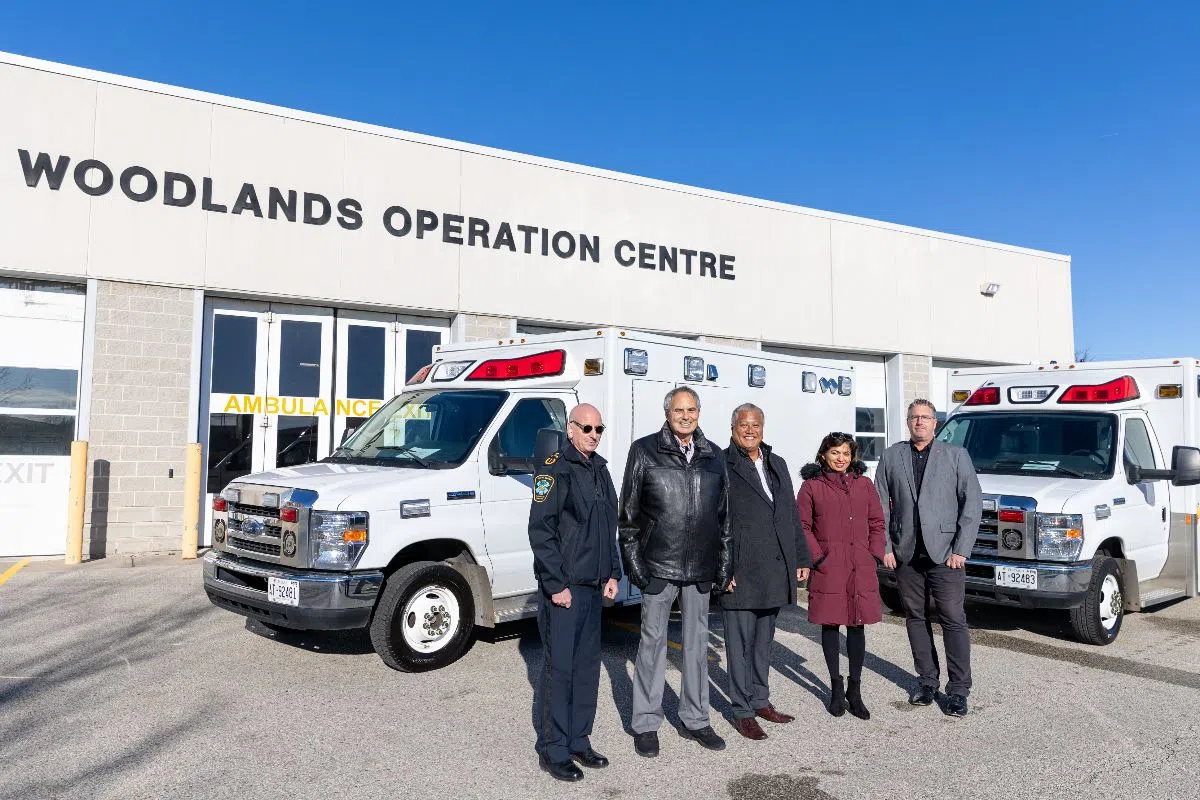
(916, 378)
(139, 419)
(477, 327)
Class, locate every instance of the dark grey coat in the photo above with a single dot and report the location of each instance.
(768, 540)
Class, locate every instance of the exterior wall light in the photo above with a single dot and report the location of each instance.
(989, 289)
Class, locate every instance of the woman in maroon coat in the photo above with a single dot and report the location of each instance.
(843, 523)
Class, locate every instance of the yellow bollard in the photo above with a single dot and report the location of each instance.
(191, 500)
(75, 504)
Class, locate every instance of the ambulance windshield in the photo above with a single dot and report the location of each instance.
(1074, 445)
(426, 429)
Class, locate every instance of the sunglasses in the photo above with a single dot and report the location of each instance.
(599, 429)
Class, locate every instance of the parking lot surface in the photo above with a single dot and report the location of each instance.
(124, 682)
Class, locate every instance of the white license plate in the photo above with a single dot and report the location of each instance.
(1016, 578)
(284, 592)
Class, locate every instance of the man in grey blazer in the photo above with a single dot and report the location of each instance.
(932, 505)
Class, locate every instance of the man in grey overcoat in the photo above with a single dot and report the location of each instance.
(932, 505)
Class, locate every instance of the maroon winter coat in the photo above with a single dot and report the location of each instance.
(843, 523)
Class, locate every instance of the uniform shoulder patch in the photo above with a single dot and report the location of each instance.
(553, 457)
(542, 484)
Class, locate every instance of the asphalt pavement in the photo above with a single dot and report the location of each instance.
(124, 682)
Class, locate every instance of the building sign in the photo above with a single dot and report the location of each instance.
(142, 185)
(313, 407)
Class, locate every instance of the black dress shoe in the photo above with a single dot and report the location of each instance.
(561, 770)
(590, 758)
(706, 736)
(923, 696)
(955, 706)
(646, 744)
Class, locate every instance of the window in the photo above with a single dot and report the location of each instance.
(234, 350)
(1138, 450)
(29, 387)
(229, 448)
(299, 359)
(517, 437)
(36, 435)
(296, 441)
(1076, 445)
(366, 349)
(870, 429)
(418, 350)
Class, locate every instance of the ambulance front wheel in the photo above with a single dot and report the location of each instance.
(424, 617)
(1098, 619)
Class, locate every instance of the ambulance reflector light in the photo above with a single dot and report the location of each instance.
(542, 365)
(1115, 391)
(984, 396)
(757, 376)
(693, 368)
(448, 370)
(637, 362)
(1030, 394)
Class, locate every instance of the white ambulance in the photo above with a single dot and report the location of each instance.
(1087, 473)
(416, 526)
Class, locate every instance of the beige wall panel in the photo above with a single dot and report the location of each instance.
(43, 230)
(149, 241)
(377, 267)
(1056, 332)
(793, 287)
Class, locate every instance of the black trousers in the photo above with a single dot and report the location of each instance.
(748, 638)
(920, 580)
(564, 703)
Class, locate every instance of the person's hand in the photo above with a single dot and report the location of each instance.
(801, 573)
(610, 591)
(732, 585)
(955, 561)
(563, 598)
(889, 560)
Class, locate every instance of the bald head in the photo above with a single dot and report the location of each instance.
(583, 428)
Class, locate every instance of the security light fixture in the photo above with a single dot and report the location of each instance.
(989, 289)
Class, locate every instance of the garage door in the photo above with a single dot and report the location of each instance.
(41, 347)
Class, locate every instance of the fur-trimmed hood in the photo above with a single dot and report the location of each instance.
(815, 470)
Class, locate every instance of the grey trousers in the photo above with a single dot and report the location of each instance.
(748, 638)
(650, 668)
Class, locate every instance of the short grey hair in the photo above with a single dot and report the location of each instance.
(670, 398)
(747, 408)
(921, 401)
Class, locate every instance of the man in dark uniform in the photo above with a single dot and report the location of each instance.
(572, 532)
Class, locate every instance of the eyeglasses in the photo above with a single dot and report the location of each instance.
(921, 418)
(599, 429)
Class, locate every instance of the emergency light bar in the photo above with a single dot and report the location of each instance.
(1030, 394)
(542, 365)
(984, 396)
(1115, 391)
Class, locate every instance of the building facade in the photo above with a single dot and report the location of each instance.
(181, 267)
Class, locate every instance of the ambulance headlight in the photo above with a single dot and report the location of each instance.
(337, 538)
(1059, 536)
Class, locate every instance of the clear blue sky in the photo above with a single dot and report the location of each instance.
(1065, 126)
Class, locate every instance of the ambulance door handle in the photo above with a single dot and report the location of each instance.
(1164, 513)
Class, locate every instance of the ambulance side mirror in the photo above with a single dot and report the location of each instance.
(1185, 464)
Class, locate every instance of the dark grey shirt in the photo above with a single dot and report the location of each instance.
(919, 459)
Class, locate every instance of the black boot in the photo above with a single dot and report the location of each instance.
(837, 703)
(854, 698)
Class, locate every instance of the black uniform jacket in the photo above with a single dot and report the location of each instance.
(573, 522)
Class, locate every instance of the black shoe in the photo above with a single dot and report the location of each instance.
(646, 744)
(955, 706)
(706, 736)
(837, 698)
(561, 770)
(590, 758)
(923, 696)
(854, 700)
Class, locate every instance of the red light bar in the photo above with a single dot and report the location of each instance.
(984, 396)
(542, 365)
(1115, 391)
(288, 514)
(1012, 516)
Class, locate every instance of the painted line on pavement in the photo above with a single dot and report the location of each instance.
(13, 570)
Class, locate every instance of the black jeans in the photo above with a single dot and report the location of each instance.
(920, 580)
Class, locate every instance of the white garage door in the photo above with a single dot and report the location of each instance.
(41, 347)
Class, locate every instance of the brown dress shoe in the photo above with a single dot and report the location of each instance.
(769, 713)
(749, 727)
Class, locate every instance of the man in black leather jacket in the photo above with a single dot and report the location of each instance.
(675, 543)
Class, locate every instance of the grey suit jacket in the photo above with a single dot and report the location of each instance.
(950, 504)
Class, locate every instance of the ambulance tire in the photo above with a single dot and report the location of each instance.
(424, 618)
(890, 596)
(1098, 619)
